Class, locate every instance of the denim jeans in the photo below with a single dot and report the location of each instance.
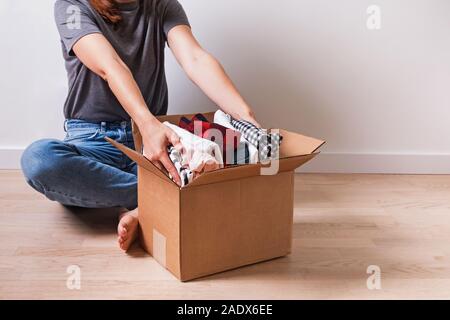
(84, 170)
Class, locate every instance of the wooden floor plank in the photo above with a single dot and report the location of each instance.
(342, 225)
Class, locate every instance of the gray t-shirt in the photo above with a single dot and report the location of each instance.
(139, 39)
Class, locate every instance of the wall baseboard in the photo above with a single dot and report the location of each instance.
(329, 163)
(379, 163)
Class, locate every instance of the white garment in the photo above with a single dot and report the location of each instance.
(200, 154)
(186, 175)
(224, 119)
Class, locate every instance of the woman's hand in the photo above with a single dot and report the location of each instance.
(250, 117)
(156, 138)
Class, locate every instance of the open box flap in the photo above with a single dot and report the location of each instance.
(295, 144)
(247, 171)
(231, 173)
(290, 164)
(140, 160)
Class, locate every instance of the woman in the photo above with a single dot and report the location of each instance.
(114, 55)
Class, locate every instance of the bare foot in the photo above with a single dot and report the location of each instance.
(127, 229)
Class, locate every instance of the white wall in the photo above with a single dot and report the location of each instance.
(381, 98)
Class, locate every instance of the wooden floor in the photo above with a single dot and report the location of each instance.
(343, 224)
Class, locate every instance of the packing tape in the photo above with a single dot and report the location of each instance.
(159, 247)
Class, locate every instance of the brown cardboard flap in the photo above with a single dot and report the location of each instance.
(246, 171)
(290, 164)
(295, 144)
(231, 173)
(140, 160)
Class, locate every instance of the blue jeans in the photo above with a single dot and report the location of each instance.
(84, 170)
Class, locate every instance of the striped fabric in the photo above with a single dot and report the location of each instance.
(268, 144)
(186, 175)
(249, 150)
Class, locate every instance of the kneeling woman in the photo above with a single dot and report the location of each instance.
(114, 56)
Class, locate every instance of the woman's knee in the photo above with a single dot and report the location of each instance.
(39, 161)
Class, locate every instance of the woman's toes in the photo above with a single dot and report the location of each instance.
(122, 228)
(127, 230)
(123, 231)
(123, 238)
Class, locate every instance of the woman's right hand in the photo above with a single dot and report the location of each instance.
(156, 139)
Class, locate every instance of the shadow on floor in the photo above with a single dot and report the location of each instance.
(101, 222)
(97, 220)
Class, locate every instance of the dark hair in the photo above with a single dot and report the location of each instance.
(107, 9)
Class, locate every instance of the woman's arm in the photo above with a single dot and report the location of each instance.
(97, 54)
(207, 73)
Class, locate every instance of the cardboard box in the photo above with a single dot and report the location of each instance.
(224, 219)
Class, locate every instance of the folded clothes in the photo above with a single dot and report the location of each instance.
(186, 175)
(228, 139)
(241, 155)
(200, 155)
(245, 148)
(268, 144)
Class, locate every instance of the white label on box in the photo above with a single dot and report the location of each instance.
(159, 247)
